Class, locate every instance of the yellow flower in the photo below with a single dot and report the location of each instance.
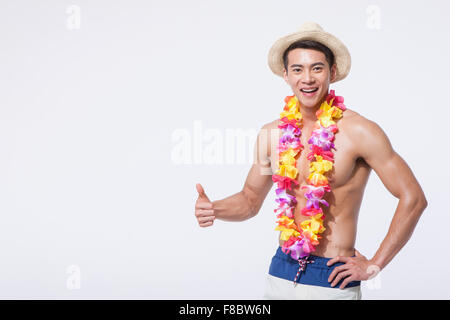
(286, 221)
(325, 112)
(314, 225)
(292, 110)
(286, 233)
(317, 223)
(306, 232)
(317, 179)
(287, 157)
(328, 114)
(320, 165)
(291, 114)
(337, 113)
(292, 102)
(288, 171)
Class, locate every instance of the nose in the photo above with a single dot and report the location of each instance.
(307, 77)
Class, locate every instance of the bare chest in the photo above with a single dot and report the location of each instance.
(344, 158)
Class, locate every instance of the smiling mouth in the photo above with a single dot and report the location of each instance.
(309, 90)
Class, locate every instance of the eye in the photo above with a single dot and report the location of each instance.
(317, 68)
(296, 70)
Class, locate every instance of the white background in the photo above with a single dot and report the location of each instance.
(87, 117)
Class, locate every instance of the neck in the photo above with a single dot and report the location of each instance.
(309, 117)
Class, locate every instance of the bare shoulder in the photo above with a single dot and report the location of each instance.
(356, 124)
(272, 124)
(268, 136)
(351, 118)
(271, 129)
(368, 136)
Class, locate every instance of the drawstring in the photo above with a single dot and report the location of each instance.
(302, 266)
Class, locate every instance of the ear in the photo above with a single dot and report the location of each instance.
(333, 73)
(285, 75)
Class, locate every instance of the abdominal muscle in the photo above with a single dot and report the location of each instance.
(340, 222)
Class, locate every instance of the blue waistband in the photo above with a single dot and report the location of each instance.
(316, 273)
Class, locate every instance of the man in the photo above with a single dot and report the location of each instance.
(309, 60)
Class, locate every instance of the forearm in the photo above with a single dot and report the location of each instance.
(233, 208)
(402, 226)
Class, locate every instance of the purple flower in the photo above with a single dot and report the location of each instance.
(298, 249)
(322, 138)
(283, 197)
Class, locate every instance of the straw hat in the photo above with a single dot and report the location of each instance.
(311, 31)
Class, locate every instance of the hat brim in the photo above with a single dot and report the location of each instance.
(340, 51)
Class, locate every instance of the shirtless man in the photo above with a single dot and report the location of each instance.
(361, 145)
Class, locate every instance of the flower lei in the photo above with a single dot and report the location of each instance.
(301, 241)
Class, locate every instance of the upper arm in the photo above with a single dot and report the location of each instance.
(259, 178)
(376, 149)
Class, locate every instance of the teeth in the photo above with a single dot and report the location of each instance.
(310, 90)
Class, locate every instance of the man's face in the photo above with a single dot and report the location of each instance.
(308, 69)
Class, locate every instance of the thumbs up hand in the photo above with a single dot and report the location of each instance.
(204, 208)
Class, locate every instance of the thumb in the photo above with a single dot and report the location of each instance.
(201, 192)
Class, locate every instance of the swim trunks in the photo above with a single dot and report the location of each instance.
(311, 279)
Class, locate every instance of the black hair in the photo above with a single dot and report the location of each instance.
(309, 44)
